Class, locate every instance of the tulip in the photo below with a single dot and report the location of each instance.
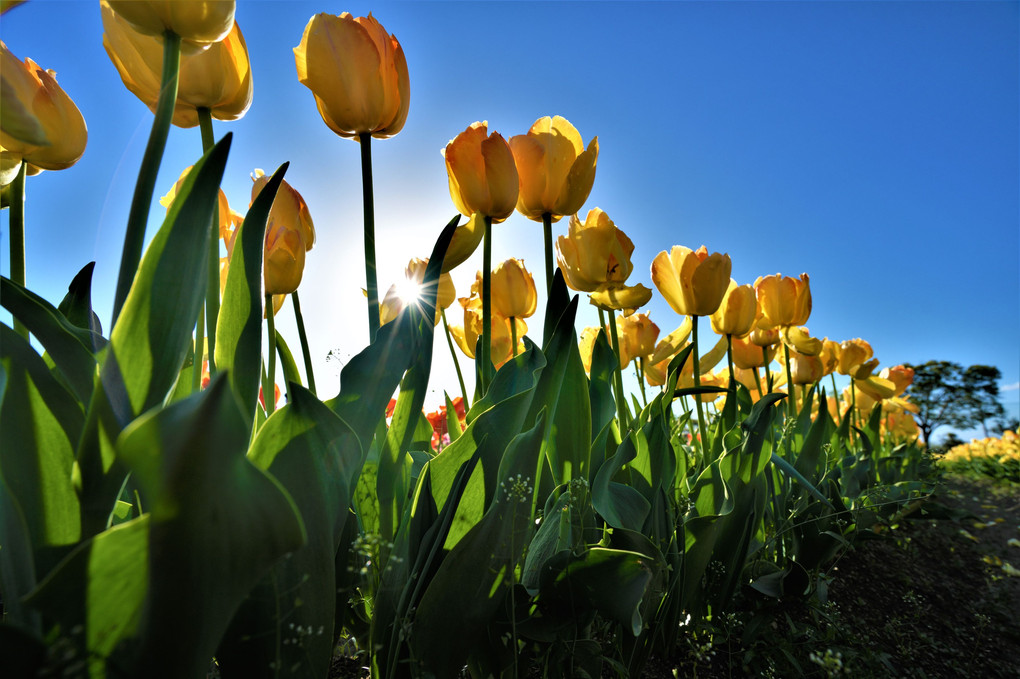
(586, 346)
(289, 234)
(736, 313)
(899, 375)
(800, 340)
(692, 281)
(446, 294)
(40, 124)
(637, 337)
(784, 300)
(357, 74)
(217, 78)
(853, 359)
(391, 305)
(805, 368)
(747, 354)
(513, 290)
(876, 387)
(556, 171)
(624, 298)
(482, 173)
(670, 345)
(226, 215)
(198, 21)
(594, 252)
(829, 356)
(465, 241)
(467, 335)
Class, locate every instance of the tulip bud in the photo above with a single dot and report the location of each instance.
(513, 290)
(692, 281)
(40, 124)
(556, 172)
(482, 174)
(289, 234)
(357, 74)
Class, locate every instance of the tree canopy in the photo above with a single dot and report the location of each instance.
(947, 394)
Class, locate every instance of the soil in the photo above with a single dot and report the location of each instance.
(928, 598)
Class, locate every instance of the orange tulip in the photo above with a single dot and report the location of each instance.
(853, 359)
(482, 174)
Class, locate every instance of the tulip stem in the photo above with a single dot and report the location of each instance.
(702, 425)
(621, 402)
(757, 381)
(304, 342)
(547, 233)
(513, 337)
(212, 292)
(768, 373)
(17, 227)
(729, 361)
(269, 387)
(486, 368)
(371, 285)
(456, 363)
(791, 403)
(196, 369)
(639, 364)
(134, 238)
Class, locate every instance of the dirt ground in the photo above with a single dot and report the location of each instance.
(928, 599)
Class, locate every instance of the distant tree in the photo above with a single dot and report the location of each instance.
(981, 395)
(1004, 424)
(951, 440)
(952, 396)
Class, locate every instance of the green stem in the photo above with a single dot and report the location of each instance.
(486, 368)
(729, 361)
(196, 370)
(513, 336)
(304, 341)
(621, 403)
(768, 373)
(639, 365)
(269, 387)
(371, 285)
(702, 425)
(547, 235)
(791, 404)
(212, 292)
(17, 227)
(456, 363)
(757, 382)
(134, 239)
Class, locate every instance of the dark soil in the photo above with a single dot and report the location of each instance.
(927, 598)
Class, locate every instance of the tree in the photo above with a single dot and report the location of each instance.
(1005, 424)
(981, 395)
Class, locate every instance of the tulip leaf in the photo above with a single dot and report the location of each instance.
(238, 346)
(792, 472)
(100, 587)
(17, 565)
(71, 348)
(153, 334)
(77, 303)
(287, 363)
(41, 421)
(314, 455)
(619, 504)
(217, 525)
(473, 580)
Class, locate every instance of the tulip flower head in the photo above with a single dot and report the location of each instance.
(357, 74)
(226, 215)
(747, 354)
(466, 335)
(40, 124)
(482, 173)
(637, 335)
(217, 78)
(556, 171)
(289, 234)
(736, 313)
(197, 21)
(805, 368)
(693, 282)
(854, 358)
(513, 290)
(784, 300)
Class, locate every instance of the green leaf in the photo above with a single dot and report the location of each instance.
(17, 565)
(473, 580)
(72, 348)
(619, 504)
(153, 333)
(239, 323)
(217, 525)
(287, 621)
(287, 363)
(100, 586)
(77, 303)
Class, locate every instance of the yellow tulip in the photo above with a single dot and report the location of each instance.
(513, 290)
(586, 345)
(620, 297)
(692, 281)
(876, 387)
(445, 295)
(784, 300)
(671, 344)
(556, 172)
(637, 335)
(357, 73)
(655, 373)
(467, 335)
(483, 176)
(736, 313)
(390, 306)
(199, 21)
(289, 234)
(594, 252)
(40, 124)
(801, 341)
(900, 375)
(465, 241)
(217, 78)
(747, 354)
(853, 359)
(764, 338)
(805, 368)
(829, 356)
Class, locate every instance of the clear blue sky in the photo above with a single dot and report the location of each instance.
(873, 145)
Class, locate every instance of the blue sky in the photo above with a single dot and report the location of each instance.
(873, 145)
